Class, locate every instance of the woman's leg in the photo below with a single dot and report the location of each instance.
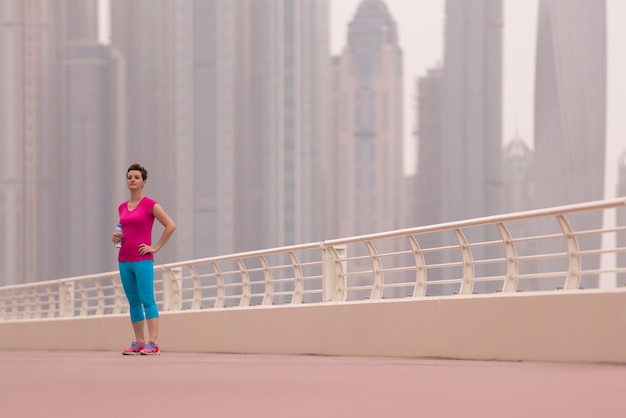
(144, 272)
(129, 282)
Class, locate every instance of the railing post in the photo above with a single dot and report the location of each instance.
(66, 299)
(172, 281)
(573, 279)
(333, 278)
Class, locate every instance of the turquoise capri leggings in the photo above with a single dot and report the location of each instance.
(138, 281)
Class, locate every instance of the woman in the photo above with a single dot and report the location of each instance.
(136, 259)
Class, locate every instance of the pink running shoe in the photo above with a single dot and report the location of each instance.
(151, 349)
(134, 349)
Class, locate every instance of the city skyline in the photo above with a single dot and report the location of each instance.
(420, 33)
(254, 141)
(520, 31)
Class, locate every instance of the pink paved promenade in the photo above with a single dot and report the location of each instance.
(106, 384)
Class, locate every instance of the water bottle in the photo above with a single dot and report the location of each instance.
(118, 232)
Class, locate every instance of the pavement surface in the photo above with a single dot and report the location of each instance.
(107, 384)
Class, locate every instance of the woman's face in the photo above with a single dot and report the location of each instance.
(134, 181)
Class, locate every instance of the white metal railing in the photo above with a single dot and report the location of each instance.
(546, 249)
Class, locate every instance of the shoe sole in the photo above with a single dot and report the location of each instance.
(151, 354)
(130, 354)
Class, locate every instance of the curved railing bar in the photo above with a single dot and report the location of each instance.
(196, 302)
(377, 272)
(37, 307)
(100, 295)
(47, 294)
(220, 297)
(298, 279)
(581, 207)
(246, 287)
(268, 295)
(573, 278)
(467, 282)
(84, 302)
(3, 309)
(421, 273)
(511, 264)
(172, 288)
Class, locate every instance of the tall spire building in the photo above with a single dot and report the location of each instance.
(369, 124)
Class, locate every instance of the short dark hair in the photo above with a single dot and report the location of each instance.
(138, 167)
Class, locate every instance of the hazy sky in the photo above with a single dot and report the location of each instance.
(420, 32)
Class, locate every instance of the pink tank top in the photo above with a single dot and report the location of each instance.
(137, 230)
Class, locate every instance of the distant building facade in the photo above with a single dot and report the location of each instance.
(471, 128)
(518, 176)
(472, 110)
(570, 115)
(283, 159)
(155, 40)
(33, 40)
(94, 145)
(427, 196)
(370, 175)
(570, 102)
(229, 107)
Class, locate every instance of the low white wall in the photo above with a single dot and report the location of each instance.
(576, 326)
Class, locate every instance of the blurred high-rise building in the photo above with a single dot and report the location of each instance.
(426, 197)
(33, 38)
(570, 112)
(517, 173)
(370, 174)
(570, 102)
(472, 109)
(229, 108)
(94, 144)
(155, 40)
(426, 191)
(471, 125)
(519, 195)
(284, 150)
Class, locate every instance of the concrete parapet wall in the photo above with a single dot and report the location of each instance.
(568, 326)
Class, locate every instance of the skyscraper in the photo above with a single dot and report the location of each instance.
(472, 110)
(33, 37)
(429, 191)
(228, 104)
(570, 102)
(281, 158)
(369, 132)
(518, 176)
(471, 126)
(570, 113)
(94, 143)
(155, 40)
